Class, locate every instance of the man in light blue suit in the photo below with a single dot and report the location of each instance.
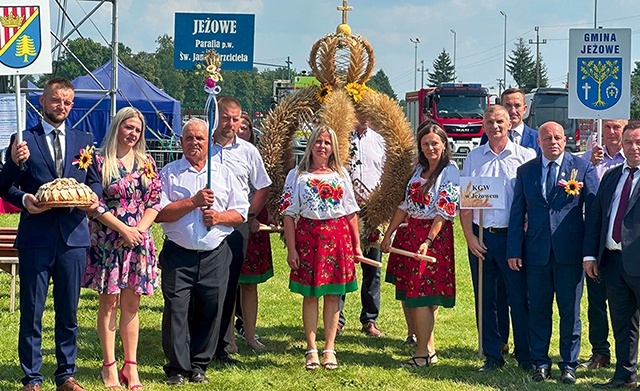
(546, 227)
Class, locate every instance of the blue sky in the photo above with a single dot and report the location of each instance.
(289, 28)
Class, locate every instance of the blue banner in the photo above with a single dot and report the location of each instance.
(231, 35)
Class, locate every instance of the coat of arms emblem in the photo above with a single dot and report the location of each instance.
(20, 39)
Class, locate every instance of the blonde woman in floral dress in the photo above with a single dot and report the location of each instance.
(324, 241)
(431, 203)
(121, 262)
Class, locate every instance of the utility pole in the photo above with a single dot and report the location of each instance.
(422, 71)
(415, 41)
(500, 85)
(537, 42)
(289, 62)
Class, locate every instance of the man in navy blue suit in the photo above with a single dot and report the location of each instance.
(545, 223)
(513, 100)
(51, 243)
(611, 247)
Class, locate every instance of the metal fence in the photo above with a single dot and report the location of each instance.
(164, 151)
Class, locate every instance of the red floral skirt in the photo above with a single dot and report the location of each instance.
(258, 264)
(419, 283)
(327, 267)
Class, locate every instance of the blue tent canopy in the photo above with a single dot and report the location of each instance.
(133, 90)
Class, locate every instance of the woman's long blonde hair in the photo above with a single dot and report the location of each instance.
(335, 163)
(109, 147)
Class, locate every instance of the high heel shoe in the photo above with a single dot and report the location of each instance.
(107, 365)
(125, 380)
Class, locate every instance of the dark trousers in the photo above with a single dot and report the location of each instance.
(566, 282)
(64, 265)
(237, 242)
(597, 316)
(623, 293)
(193, 287)
(502, 308)
(370, 291)
(495, 269)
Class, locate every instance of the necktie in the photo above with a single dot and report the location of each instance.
(57, 153)
(511, 135)
(622, 206)
(551, 178)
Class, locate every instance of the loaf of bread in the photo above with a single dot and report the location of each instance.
(65, 191)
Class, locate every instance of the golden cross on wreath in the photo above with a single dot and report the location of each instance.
(345, 8)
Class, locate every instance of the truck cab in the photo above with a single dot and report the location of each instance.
(456, 107)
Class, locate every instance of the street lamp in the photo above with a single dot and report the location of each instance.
(504, 65)
(415, 41)
(454, 53)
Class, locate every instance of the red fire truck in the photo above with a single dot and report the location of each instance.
(457, 107)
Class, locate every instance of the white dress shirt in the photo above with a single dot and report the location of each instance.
(367, 161)
(484, 162)
(48, 131)
(245, 162)
(181, 180)
(517, 132)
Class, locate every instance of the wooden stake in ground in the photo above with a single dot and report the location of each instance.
(480, 240)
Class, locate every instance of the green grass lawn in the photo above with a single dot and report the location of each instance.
(365, 363)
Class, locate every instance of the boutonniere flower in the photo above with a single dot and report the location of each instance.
(148, 170)
(84, 158)
(572, 186)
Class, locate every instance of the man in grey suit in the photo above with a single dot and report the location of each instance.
(611, 248)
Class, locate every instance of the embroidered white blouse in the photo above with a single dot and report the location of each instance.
(318, 196)
(442, 199)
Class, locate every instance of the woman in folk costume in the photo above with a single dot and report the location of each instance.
(431, 203)
(324, 241)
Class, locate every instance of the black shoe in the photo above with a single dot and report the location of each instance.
(597, 361)
(568, 376)
(541, 374)
(198, 378)
(175, 380)
(490, 366)
(615, 383)
(225, 359)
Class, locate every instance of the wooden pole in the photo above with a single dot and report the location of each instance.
(480, 240)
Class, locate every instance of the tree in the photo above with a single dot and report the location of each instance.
(443, 70)
(544, 79)
(91, 53)
(635, 92)
(522, 67)
(380, 82)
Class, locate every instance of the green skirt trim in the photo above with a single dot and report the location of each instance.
(255, 278)
(327, 289)
(447, 302)
(390, 278)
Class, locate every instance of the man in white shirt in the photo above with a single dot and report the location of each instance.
(195, 257)
(367, 163)
(244, 161)
(500, 158)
